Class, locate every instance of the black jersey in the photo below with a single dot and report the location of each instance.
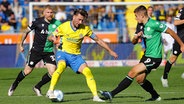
(139, 28)
(42, 30)
(180, 28)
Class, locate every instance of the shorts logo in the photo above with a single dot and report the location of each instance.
(31, 63)
(175, 52)
(58, 56)
(147, 60)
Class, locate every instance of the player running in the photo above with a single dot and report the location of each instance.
(152, 57)
(179, 23)
(42, 49)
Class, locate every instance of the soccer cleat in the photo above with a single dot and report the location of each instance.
(107, 95)
(51, 96)
(164, 82)
(37, 91)
(182, 76)
(97, 99)
(154, 99)
(11, 90)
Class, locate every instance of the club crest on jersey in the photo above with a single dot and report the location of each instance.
(148, 28)
(161, 26)
(53, 26)
(81, 36)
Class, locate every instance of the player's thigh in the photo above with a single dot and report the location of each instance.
(50, 62)
(150, 63)
(75, 62)
(136, 70)
(61, 56)
(33, 58)
(51, 68)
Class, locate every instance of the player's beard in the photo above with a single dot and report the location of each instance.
(49, 18)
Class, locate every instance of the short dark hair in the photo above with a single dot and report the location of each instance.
(81, 11)
(141, 8)
(151, 7)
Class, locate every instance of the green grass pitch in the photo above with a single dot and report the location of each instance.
(76, 91)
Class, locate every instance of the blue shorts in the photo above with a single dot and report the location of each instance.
(72, 60)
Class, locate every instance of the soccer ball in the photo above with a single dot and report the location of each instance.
(59, 94)
(182, 76)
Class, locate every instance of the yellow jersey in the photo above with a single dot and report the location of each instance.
(72, 39)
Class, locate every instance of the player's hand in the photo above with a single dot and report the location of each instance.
(139, 35)
(182, 48)
(21, 48)
(112, 53)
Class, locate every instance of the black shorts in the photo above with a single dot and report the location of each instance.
(176, 48)
(35, 56)
(150, 63)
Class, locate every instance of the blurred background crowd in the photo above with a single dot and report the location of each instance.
(14, 15)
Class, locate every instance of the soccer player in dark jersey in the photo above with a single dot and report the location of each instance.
(42, 49)
(151, 58)
(179, 23)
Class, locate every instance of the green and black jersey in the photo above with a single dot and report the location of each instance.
(42, 30)
(152, 36)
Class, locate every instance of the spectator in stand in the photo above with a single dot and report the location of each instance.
(18, 11)
(5, 3)
(25, 7)
(1, 22)
(6, 28)
(95, 25)
(161, 13)
(60, 15)
(24, 24)
(2, 14)
(166, 38)
(150, 11)
(103, 18)
(12, 21)
(110, 17)
(7, 11)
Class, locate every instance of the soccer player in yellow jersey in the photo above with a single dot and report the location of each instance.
(72, 33)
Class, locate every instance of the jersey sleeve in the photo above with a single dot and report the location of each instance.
(158, 26)
(33, 25)
(89, 31)
(58, 31)
(180, 15)
(139, 28)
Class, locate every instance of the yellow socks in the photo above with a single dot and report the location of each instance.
(56, 75)
(90, 80)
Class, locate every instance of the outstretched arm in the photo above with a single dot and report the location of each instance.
(175, 36)
(26, 32)
(178, 22)
(104, 45)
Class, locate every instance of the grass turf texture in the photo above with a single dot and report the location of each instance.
(76, 91)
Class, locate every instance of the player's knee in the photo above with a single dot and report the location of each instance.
(27, 70)
(139, 81)
(51, 68)
(60, 67)
(87, 72)
(132, 74)
(172, 59)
